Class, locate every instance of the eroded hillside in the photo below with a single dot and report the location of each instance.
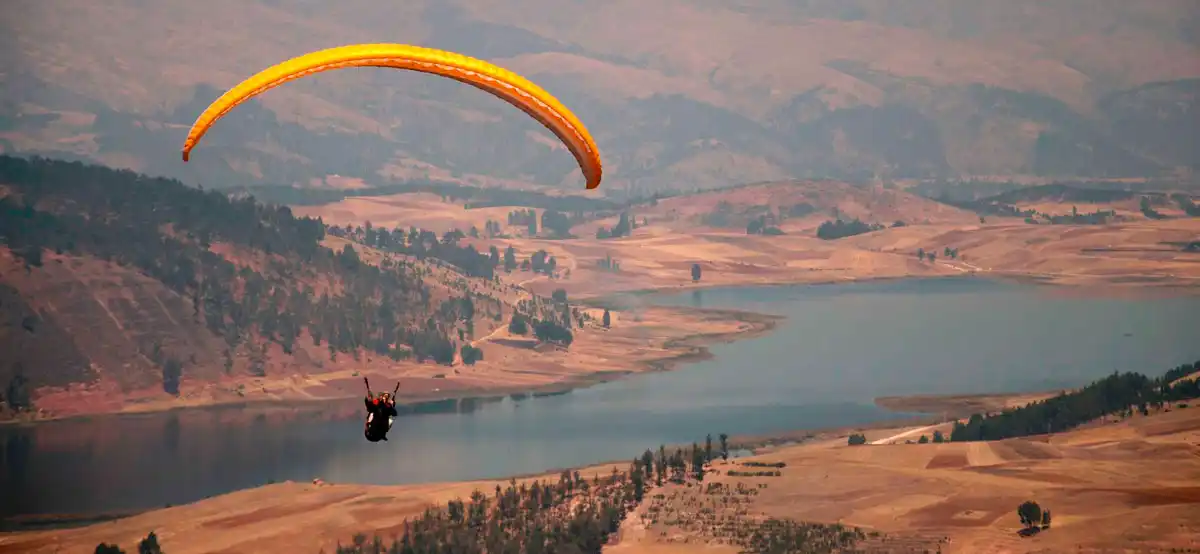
(123, 284)
(679, 94)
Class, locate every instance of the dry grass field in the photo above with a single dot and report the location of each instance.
(1117, 487)
(660, 253)
(1128, 486)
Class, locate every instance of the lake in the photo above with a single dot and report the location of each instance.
(839, 348)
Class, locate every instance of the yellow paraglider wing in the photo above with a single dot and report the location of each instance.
(509, 86)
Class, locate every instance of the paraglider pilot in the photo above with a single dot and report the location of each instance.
(381, 411)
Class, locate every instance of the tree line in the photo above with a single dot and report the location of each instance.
(839, 228)
(1118, 393)
(165, 229)
(574, 514)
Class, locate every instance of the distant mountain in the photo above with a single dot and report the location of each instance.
(679, 93)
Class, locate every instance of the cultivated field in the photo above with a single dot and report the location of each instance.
(1117, 487)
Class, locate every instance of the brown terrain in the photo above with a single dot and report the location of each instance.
(1125, 486)
(126, 313)
(691, 94)
(660, 254)
(751, 73)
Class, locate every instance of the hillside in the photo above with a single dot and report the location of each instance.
(119, 292)
(1123, 483)
(680, 94)
(667, 235)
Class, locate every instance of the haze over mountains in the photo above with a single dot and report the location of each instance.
(679, 94)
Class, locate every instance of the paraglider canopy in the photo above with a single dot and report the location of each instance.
(506, 85)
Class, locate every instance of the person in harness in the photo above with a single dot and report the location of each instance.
(381, 412)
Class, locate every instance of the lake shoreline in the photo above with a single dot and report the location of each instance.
(680, 350)
(755, 444)
(688, 348)
(1116, 286)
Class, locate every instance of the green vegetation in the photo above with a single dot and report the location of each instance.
(1117, 393)
(578, 515)
(856, 439)
(624, 227)
(1033, 517)
(165, 230)
(519, 324)
(542, 262)
(761, 226)
(735, 473)
(553, 332)
(471, 354)
(148, 545)
(16, 395)
(787, 536)
(557, 224)
(765, 464)
(524, 218)
(1147, 207)
(1187, 205)
(608, 263)
(836, 229)
(574, 514)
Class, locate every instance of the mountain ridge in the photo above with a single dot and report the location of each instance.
(679, 94)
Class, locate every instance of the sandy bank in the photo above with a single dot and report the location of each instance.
(652, 339)
(1126, 485)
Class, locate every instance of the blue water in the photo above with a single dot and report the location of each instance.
(839, 347)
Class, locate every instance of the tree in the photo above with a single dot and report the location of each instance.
(349, 258)
(708, 451)
(549, 331)
(923, 440)
(695, 273)
(755, 227)
(724, 446)
(172, 370)
(149, 545)
(17, 391)
(1030, 513)
(559, 296)
(856, 439)
(470, 354)
(836, 229)
(556, 223)
(607, 319)
(1045, 519)
(623, 227)
(105, 548)
(31, 254)
(518, 325)
(938, 437)
(510, 259)
(921, 254)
